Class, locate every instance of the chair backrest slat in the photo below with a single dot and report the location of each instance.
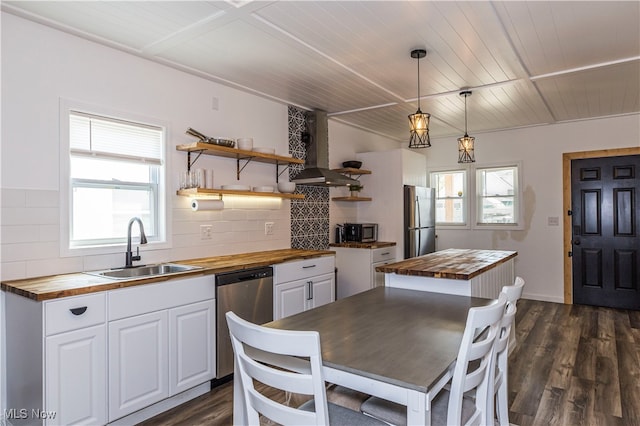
(287, 360)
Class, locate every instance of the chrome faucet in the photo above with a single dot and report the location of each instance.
(129, 257)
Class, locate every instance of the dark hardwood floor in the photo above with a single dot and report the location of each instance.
(573, 365)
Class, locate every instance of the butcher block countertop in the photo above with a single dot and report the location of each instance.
(56, 286)
(375, 245)
(457, 264)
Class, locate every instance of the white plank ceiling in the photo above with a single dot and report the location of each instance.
(527, 63)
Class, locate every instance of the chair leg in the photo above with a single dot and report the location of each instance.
(502, 405)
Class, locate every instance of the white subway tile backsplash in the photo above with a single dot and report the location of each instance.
(49, 232)
(12, 198)
(30, 216)
(12, 234)
(13, 270)
(30, 233)
(30, 251)
(230, 214)
(63, 265)
(42, 198)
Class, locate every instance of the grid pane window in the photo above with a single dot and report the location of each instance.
(497, 195)
(451, 197)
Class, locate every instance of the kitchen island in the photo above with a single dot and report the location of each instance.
(467, 272)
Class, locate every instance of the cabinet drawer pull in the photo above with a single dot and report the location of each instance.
(308, 266)
(78, 311)
(385, 253)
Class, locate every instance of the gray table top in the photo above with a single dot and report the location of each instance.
(403, 337)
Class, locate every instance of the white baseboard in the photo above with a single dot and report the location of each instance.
(542, 297)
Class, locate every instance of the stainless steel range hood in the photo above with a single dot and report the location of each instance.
(316, 140)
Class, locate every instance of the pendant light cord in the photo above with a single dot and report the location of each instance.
(419, 84)
(465, 115)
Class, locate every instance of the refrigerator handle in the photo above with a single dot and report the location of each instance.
(418, 243)
(417, 201)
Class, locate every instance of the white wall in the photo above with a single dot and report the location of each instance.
(539, 245)
(40, 66)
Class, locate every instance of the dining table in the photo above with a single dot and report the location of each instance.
(396, 344)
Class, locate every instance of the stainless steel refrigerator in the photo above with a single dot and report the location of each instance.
(419, 221)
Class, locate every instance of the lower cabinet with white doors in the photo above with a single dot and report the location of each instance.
(357, 268)
(129, 352)
(303, 284)
(75, 367)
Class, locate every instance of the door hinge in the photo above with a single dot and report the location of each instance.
(570, 254)
(569, 213)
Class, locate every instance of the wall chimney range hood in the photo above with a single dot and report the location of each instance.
(316, 171)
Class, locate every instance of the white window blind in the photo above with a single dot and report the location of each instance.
(105, 137)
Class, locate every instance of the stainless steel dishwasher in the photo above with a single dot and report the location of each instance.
(248, 293)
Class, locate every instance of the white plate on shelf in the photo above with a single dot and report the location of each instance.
(263, 188)
(236, 187)
(264, 150)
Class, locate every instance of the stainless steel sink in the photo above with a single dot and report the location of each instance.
(143, 271)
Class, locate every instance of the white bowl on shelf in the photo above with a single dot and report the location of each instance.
(265, 188)
(245, 144)
(286, 187)
(263, 150)
(236, 187)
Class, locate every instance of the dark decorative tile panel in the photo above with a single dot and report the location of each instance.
(309, 217)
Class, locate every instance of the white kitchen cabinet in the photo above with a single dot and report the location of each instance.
(75, 360)
(356, 268)
(56, 360)
(75, 377)
(138, 363)
(303, 284)
(119, 355)
(192, 335)
(323, 290)
(161, 342)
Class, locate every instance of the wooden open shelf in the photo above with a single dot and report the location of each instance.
(238, 154)
(352, 171)
(202, 192)
(351, 199)
(200, 148)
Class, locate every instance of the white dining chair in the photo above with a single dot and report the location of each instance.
(504, 344)
(290, 361)
(468, 400)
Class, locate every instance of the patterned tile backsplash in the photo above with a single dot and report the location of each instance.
(310, 216)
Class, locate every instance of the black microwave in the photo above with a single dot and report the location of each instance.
(361, 232)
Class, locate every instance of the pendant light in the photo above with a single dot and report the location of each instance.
(465, 143)
(419, 122)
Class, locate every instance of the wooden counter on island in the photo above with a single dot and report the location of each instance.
(469, 272)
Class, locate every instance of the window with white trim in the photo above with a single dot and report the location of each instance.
(116, 172)
(451, 196)
(498, 196)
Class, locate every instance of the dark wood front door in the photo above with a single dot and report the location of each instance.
(605, 226)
